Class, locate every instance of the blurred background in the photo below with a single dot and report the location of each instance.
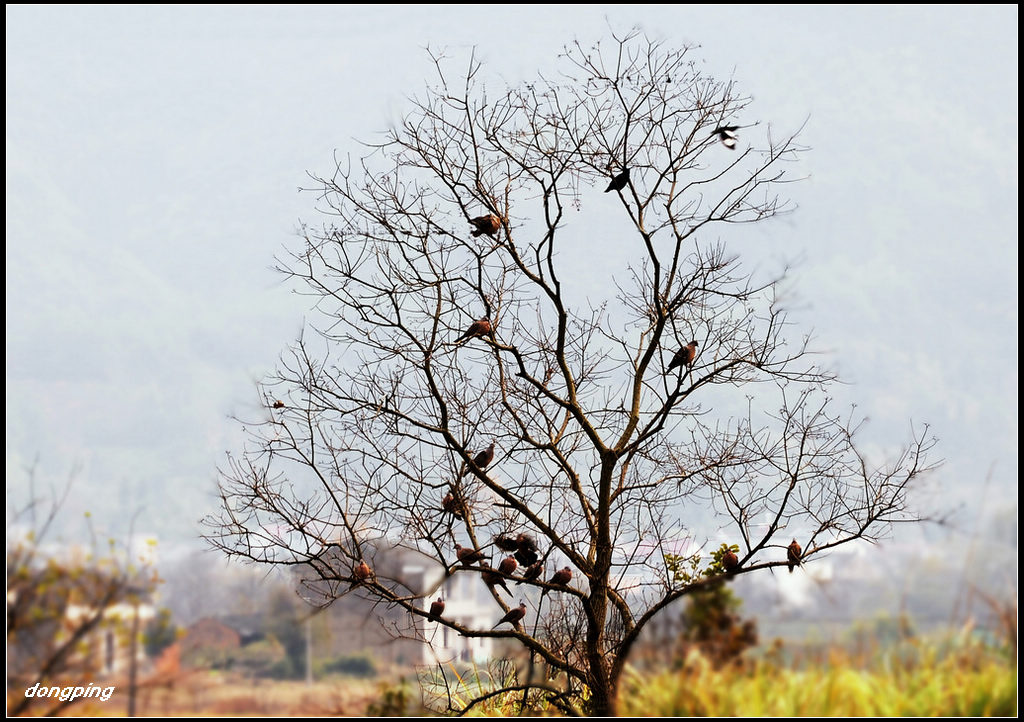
(154, 157)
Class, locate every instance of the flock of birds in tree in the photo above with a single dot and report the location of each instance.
(522, 549)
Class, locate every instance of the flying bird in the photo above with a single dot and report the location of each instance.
(513, 617)
(526, 550)
(506, 543)
(727, 134)
(477, 328)
(508, 566)
(532, 572)
(618, 182)
(684, 356)
(560, 579)
(489, 224)
(793, 554)
(436, 610)
(494, 579)
(730, 561)
(469, 556)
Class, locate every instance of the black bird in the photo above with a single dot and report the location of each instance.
(793, 555)
(684, 356)
(436, 610)
(488, 224)
(506, 543)
(727, 134)
(513, 616)
(527, 553)
(618, 182)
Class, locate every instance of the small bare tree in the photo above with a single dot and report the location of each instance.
(482, 379)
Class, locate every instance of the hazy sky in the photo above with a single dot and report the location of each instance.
(154, 156)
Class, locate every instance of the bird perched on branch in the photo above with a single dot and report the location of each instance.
(485, 457)
(727, 134)
(684, 356)
(476, 329)
(532, 572)
(508, 566)
(730, 561)
(279, 404)
(493, 579)
(453, 505)
(468, 557)
(360, 573)
(793, 555)
(489, 224)
(436, 610)
(561, 578)
(618, 182)
(513, 617)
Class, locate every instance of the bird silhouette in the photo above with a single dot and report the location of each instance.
(532, 572)
(526, 550)
(793, 555)
(489, 224)
(730, 561)
(478, 328)
(560, 579)
(508, 566)
(618, 182)
(506, 543)
(494, 579)
(684, 356)
(727, 134)
(513, 616)
(485, 457)
(436, 610)
(469, 556)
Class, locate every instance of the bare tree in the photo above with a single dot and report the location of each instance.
(636, 413)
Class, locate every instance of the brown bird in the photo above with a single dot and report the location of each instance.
(727, 134)
(436, 610)
(506, 543)
(468, 556)
(730, 561)
(494, 579)
(279, 404)
(453, 505)
(485, 457)
(489, 224)
(508, 566)
(561, 578)
(532, 572)
(618, 182)
(477, 328)
(684, 356)
(360, 573)
(513, 617)
(793, 554)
